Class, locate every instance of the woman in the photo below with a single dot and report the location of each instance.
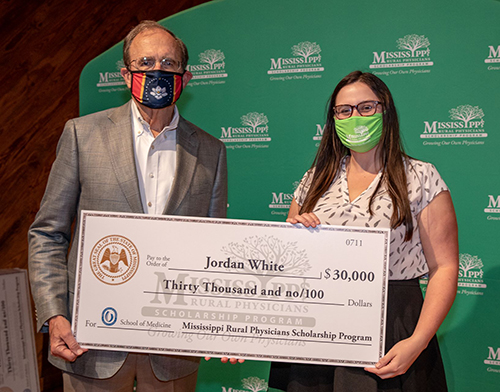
(361, 176)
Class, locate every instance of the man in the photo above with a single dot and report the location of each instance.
(141, 158)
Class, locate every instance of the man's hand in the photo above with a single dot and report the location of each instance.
(62, 342)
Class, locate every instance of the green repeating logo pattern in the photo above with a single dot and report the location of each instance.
(262, 77)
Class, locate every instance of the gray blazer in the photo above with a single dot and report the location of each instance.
(95, 170)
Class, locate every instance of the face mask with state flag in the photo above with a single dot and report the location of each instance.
(156, 89)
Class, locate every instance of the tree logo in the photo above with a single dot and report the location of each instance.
(412, 42)
(470, 266)
(307, 59)
(249, 384)
(467, 122)
(470, 274)
(306, 49)
(211, 56)
(361, 132)
(114, 260)
(467, 113)
(254, 384)
(254, 119)
(210, 65)
(253, 128)
(413, 51)
(258, 250)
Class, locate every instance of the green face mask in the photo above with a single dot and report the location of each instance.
(358, 133)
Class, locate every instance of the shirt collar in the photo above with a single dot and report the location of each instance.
(140, 125)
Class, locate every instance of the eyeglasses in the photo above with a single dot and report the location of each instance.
(149, 63)
(365, 108)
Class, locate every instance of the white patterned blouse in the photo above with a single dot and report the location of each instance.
(406, 259)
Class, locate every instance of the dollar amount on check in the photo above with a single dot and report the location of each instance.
(220, 287)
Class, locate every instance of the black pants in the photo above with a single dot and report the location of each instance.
(404, 302)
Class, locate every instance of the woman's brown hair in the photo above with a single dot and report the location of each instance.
(331, 152)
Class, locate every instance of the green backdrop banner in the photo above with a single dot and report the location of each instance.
(263, 71)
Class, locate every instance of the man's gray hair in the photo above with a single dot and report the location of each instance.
(150, 25)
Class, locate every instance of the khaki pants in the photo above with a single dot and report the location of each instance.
(135, 368)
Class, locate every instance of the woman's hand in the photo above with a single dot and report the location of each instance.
(399, 359)
(230, 360)
(308, 219)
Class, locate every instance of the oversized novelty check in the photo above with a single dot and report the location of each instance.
(236, 288)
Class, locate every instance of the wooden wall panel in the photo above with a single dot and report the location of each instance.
(44, 46)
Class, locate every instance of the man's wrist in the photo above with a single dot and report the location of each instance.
(52, 319)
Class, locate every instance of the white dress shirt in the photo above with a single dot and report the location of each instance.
(154, 161)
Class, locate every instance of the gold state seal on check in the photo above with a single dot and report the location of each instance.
(114, 259)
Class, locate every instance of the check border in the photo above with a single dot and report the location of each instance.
(250, 223)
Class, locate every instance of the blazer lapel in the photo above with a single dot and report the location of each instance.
(186, 157)
(118, 137)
